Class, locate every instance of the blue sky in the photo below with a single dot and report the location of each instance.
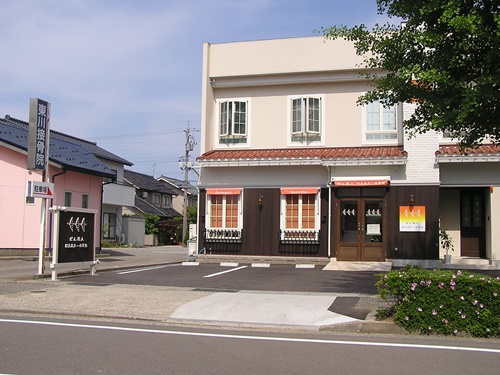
(127, 73)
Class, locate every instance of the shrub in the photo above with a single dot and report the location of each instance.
(443, 301)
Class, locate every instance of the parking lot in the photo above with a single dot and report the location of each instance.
(215, 277)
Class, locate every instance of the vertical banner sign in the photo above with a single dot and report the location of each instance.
(76, 236)
(38, 134)
(412, 218)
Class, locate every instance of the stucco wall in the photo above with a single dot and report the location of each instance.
(22, 221)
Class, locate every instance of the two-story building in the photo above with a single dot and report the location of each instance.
(77, 176)
(178, 186)
(292, 165)
(115, 195)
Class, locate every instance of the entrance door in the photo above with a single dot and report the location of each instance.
(472, 226)
(359, 230)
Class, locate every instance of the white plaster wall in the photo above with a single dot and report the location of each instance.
(396, 173)
(263, 177)
(470, 174)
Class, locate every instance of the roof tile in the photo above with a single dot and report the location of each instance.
(306, 153)
(455, 150)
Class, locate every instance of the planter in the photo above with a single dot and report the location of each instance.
(447, 259)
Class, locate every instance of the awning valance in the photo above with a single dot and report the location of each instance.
(299, 190)
(224, 191)
(383, 182)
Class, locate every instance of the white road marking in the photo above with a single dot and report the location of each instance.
(226, 271)
(261, 338)
(144, 269)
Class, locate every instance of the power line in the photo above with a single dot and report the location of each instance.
(142, 134)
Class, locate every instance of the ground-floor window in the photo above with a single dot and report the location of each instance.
(300, 214)
(224, 214)
(109, 226)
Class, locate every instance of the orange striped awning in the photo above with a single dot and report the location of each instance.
(299, 190)
(225, 191)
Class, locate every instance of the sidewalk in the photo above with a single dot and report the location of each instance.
(20, 294)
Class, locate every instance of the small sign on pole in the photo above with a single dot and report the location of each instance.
(37, 189)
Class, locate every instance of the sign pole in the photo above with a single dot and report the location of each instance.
(41, 249)
(37, 159)
(55, 243)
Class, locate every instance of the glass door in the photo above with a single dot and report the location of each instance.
(360, 230)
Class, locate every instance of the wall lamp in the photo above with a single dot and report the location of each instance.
(261, 201)
(412, 201)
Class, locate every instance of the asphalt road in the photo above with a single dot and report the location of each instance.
(72, 347)
(213, 277)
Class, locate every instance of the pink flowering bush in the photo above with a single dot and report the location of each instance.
(443, 301)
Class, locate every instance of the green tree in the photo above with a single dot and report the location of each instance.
(444, 56)
(150, 225)
(192, 214)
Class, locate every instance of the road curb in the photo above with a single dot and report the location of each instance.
(371, 327)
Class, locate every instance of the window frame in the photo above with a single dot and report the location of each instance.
(299, 233)
(394, 135)
(106, 216)
(300, 131)
(166, 200)
(157, 199)
(85, 200)
(223, 232)
(226, 120)
(68, 198)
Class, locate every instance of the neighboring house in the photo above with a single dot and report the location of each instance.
(151, 196)
(115, 194)
(78, 182)
(291, 165)
(178, 186)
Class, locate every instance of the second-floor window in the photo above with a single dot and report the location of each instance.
(306, 119)
(233, 121)
(381, 122)
(167, 200)
(156, 199)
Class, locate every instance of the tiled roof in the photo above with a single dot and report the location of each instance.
(455, 150)
(145, 182)
(322, 153)
(91, 146)
(69, 155)
(179, 184)
(148, 208)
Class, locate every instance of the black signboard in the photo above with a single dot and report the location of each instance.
(38, 134)
(76, 237)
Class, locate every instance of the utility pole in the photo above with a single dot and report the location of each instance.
(186, 165)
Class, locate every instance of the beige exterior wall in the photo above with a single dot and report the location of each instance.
(281, 55)
(493, 245)
(268, 73)
(450, 218)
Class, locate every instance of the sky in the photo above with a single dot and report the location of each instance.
(127, 73)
